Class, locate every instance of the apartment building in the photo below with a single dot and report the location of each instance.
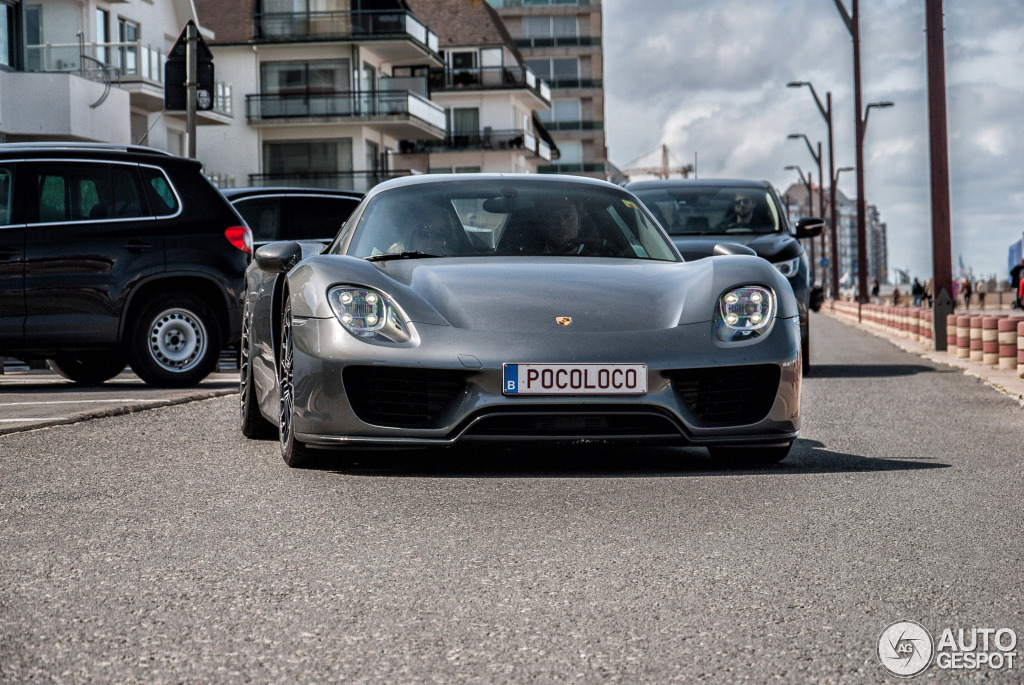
(490, 98)
(561, 42)
(347, 93)
(93, 71)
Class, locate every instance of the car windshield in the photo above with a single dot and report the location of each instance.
(506, 217)
(712, 210)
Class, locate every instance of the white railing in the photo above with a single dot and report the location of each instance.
(426, 110)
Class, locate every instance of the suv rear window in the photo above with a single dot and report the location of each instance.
(6, 186)
(162, 197)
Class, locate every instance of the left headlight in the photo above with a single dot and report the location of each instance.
(369, 315)
(744, 313)
(788, 267)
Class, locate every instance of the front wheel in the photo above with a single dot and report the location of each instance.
(174, 342)
(294, 452)
(750, 456)
(251, 421)
(89, 368)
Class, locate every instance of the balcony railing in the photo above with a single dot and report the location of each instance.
(260, 107)
(118, 63)
(487, 139)
(575, 82)
(360, 181)
(340, 25)
(571, 168)
(558, 41)
(585, 125)
(539, 3)
(488, 78)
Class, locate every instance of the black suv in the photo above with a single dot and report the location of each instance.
(699, 214)
(111, 255)
(292, 213)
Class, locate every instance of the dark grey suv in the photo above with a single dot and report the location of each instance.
(114, 255)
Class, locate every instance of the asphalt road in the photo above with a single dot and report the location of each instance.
(161, 546)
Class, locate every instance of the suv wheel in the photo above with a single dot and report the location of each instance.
(89, 368)
(174, 342)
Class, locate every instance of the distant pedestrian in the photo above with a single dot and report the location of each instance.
(965, 288)
(928, 291)
(896, 297)
(874, 290)
(917, 290)
(980, 288)
(1015, 281)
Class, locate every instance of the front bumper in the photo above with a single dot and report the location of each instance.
(689, 371)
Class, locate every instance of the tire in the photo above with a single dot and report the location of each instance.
(89, 368)
(295, 453)
(174, 342)
(750, 456)
(251, 421)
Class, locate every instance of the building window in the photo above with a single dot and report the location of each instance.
(572, 153)
(562, 110)
(128, 34)
(7, 36)
(543, 26)
(327, 162)
(465, 120)
(289, 78)
(554, 69)
(102, 35)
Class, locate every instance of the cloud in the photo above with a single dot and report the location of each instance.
(708, 79)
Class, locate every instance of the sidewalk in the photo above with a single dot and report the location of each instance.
(1003, 380)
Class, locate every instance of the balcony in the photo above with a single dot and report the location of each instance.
(398, 37)
(585, 125)
(558, 42)
(487, 139)
(572, 168)
(540, 3)
(575, 83)
(399, 112)
(134, 67)
(360, 181)
(490, 78)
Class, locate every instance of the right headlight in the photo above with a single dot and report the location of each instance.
(744, 313)
(369, 315)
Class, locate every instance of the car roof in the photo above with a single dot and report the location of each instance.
(698, 183)
(239, 193)
(37, 146)
(427, 179)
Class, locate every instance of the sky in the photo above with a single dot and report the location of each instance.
(708, 78)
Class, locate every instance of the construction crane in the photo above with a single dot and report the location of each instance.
(663, 171)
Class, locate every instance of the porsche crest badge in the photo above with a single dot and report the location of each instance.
(563, 320)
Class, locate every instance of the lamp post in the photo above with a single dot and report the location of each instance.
(821, 193)
(826, 114)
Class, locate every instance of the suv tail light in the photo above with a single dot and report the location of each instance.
(240, 237)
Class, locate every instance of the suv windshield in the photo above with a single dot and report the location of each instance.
(712, 210)
(507, 217)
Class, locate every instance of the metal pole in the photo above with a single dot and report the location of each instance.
(942, 250)
(832, 200)
(862, 233)
(191, 86)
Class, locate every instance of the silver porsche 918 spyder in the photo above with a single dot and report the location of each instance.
(475, 307)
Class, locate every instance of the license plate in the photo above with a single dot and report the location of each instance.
(575, 379)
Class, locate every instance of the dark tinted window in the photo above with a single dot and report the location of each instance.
(6, 199)
(318, 218)
(162, 198)
(263, 216)
(85, 192)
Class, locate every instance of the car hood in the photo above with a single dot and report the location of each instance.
(527, 294)
(774, 248)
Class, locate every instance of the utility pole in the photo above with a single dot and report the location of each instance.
(942, 250)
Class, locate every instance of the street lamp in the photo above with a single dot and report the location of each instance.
(821, 193)
(826, 114)
(808, 183)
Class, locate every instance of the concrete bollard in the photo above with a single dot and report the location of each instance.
(915, 324)
(990, 340)
(1020, 349)
(1007, 343)
(977, 354)
(927, 328)
(951, 334)
(963, 336)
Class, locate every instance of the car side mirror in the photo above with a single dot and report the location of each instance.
(809, 227)
(733, 248)
(279, 257)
